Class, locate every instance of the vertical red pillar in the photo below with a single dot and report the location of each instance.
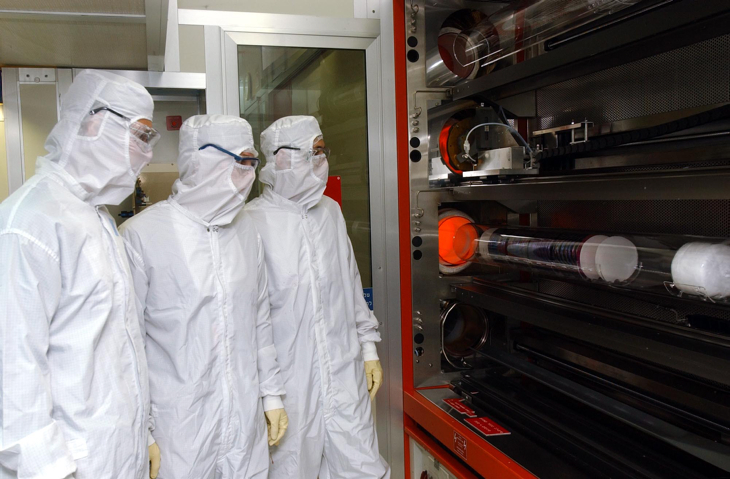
(404, 208)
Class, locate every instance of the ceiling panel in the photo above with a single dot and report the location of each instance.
(76, 6)
(72, 44)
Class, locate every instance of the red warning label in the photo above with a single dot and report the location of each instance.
(460, 445)
(486, 426)
(460, 407)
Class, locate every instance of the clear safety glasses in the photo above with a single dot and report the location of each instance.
(316, 155)
(146, 134)
(312, 152)
(242, 160)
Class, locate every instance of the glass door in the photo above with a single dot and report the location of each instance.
(265, 66)
(329, 84)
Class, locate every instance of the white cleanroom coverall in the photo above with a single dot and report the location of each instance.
(74, 392)
(200, 277)
(322, 324)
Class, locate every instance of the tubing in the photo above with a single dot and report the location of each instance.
(682, 265)
(497, 37)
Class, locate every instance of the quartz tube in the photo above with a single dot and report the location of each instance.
(696, 266)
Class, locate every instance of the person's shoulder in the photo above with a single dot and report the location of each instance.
(329, 204)
(332, 208)
(254, 205)
(149, 220)
(46, 214)
(260, 209)
(244, 220)
(40, 203)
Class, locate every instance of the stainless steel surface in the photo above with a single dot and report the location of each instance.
(673, 26)
(86, 17)
(709, 450)
(501, 172)
(282, 24)
(172, 80)
(556, 129)
(699, 183)
(175, 97)
(608, 329)
(428, 287)
(676, 186)
(389, 420)
(687, 77)
(214, 96)
(507, 161)
(437, 170)
(157, 13)
(13, 128)
(172, 38)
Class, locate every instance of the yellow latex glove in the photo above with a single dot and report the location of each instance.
(155, 456)
(374, 373)
(276, 421)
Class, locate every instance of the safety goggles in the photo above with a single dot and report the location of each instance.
(242, 160)
(139, 130)
(312, 152)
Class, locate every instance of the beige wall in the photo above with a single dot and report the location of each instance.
(192, 48)
(156, 179)
(3, 160)
(39, 116)
(166, 149)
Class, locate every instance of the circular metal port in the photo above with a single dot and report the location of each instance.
(450, 220)
(464, 328)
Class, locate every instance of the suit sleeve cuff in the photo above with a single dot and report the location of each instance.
(150, 439)
(369, 351)
(273, 402)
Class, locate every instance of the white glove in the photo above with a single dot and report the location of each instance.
(155, 458)
(374, 374)
(276, 421)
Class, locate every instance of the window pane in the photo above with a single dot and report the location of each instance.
(330, 85)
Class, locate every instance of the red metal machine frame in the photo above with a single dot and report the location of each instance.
(420, 415)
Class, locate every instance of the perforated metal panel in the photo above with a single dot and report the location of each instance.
(688, 77)
(683, 217)
(651, 307)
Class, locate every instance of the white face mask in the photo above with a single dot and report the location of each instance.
(140, 154)
(242, 178)
(301, 182)
(321, 167)
(107, 159)
(218, 188)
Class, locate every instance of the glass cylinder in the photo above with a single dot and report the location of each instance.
(511, 30)
(681, 264)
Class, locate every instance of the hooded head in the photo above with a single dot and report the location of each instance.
(213, 186)
(292, 170)
(99, 150)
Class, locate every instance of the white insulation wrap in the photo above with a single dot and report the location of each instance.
(703, 269)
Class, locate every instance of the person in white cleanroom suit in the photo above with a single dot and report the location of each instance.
(74, 395)
(199, 272)
(324, 331)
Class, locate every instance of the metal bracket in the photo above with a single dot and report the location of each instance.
(37, 75)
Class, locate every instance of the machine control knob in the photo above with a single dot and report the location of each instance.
(418, 352)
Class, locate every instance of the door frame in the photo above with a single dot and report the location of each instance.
(223, 32)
